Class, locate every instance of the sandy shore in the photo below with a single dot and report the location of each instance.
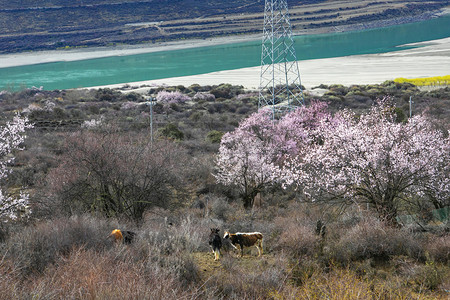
(38, 57)
(431, 58)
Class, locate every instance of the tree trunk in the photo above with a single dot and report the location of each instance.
(387, 211)
(249, 198)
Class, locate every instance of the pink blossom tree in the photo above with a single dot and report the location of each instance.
(375, 160)
(172, 97)
(11, 136)
(247, 157)
(301, 127)
(251, 156)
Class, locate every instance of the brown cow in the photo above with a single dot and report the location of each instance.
(246, 239)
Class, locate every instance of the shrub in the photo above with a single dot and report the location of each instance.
(86, 274)
(243, 110)
(217, 107)
(247, 96)
(439, 248)
(35, 248)
(297, 238)
(359, 99)
(332, 98)
(221, 209)
(372, 238)
(166, 252)
(214, 136)
(129, 105)
(248, 280)
(338, 89)
(221, 93)
(345, 284)
(107, 95)
(171, 131)
(429, 275)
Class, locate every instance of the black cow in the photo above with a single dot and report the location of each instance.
(216, 242)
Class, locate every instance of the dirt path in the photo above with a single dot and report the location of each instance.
(249, 263)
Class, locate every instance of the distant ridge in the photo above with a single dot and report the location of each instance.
(55, 24)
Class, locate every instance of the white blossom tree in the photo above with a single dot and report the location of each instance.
(11, 136)
(372, 159)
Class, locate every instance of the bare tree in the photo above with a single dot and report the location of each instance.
(117, 174)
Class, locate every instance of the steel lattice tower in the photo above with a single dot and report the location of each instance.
(280, 85)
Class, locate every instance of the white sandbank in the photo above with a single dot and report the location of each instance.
(431, 58)
(39, 57)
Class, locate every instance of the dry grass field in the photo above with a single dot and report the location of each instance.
(62, 250)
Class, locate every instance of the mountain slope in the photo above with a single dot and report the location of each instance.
(56, 24)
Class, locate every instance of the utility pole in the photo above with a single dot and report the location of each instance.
(410, 106)
(151, 118)
(280, 86)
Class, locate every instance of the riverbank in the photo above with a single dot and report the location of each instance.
(431, 58)
(39, 57)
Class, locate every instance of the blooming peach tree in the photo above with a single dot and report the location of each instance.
(172, 97)
(251, 156)
(372, 159)
(302, 127)
(247, 158)
(11, 136)
(344, 158)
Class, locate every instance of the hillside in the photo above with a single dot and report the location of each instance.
(89, 147)
(54, 24)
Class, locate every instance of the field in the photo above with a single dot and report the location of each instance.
(90, 148)
(428, 81)
(52, 260)
(56, 25)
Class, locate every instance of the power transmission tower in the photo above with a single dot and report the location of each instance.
(280, 85)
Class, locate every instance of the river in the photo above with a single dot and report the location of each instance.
(193, 61)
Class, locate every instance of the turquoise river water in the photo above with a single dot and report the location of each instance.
(166, 64)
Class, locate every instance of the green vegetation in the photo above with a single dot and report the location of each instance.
(171, 131)
(214, 136)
